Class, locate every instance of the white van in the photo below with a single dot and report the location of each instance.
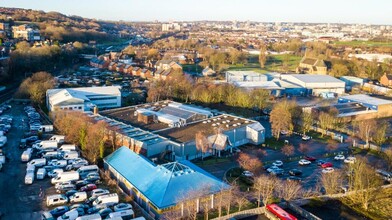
(51, 154)
(29, 178)
(58, 138)
(38, 162)
(109, 199)
(45, 145)
(68, 147)
(41, 173)
(125, 214)
(45, 128)
(55, 172)
(56, 199)
(71, 155)
(65, 177)
(70, 215)
(60, 163)
(78, 197)
(26, 155)
(90, 217)
(84, 170)
(30, 168)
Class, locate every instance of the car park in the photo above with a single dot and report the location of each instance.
(339, 157)
(304, 162)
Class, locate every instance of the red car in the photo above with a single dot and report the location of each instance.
(327, 164)
(310, 158)
(88, 188)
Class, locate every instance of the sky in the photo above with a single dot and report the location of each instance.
(323, 11)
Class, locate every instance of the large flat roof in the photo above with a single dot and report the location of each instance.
(313, 78)
(209, 126)
(362, 98)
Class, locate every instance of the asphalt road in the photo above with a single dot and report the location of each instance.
(17, 200)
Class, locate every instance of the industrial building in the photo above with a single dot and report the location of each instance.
(157, 188)
(83, 98)
(167, 130)
(245, 76)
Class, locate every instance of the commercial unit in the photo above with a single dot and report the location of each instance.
(157, 188)
(25, 32)
(245, 76)
(380, 104)
(167, 130)
(83, 98)
(316, 84)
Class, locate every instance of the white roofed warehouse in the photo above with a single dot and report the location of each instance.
(83, 98)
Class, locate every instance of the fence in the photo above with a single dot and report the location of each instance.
(243, 214)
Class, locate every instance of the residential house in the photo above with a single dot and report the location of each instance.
(26, 32)
(112, 66)
(312, 66)
(146, 74)
(136, 71)
(386, 80)
(128, 69)
(98, 63)
(120, 67)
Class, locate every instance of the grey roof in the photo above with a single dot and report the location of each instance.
(164, 184)
(312, 78)
(181, 113)
(362, 98)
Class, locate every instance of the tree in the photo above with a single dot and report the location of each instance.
(307, 122)
(288, 190)
(35, 87)
(288, 150)
(259, 98)
(364, 183)
(327, 120)
(240, 198)
(332, 182)
(152, 54)
(202, 143)
(249, 162)
(264, 187)
(262, 55)
(281, 118)
(331, 145)
(339, 70)
(303, 148)
(366, 129)
(388, 156)
(379, 135)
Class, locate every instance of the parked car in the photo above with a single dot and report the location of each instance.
(96, 208)
(339, 157)
(304, 162)
(271, 168)
(328, 170)
(247, 173)
(88, 188)
(277, 163)
(295, 172)
(320, 162)
(80, 183)
(55, 172)
(310, 158)
(104, 212)
(277, 171)
(59, 211)
(99, 192)
(350, 159)
(327, 164)
(56, 199)
(122, 206)
(70, 192)
(63, 184)
(306, 138)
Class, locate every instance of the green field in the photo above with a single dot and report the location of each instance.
(274, 63)
(364, 43)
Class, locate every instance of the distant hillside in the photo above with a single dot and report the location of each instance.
(57, 26)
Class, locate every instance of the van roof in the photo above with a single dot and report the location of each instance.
(54, 196)
(122, 212)
(108, 195)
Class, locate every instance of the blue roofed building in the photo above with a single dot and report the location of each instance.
(157, 188)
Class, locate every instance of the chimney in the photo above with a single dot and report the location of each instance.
(95, 110)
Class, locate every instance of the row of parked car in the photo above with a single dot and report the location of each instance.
(35, 123)
(5, 126)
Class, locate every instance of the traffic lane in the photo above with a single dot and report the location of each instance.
(19, 201)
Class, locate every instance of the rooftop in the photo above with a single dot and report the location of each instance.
(312, 78)
(362, 98)
(209, 126)
(164, 184)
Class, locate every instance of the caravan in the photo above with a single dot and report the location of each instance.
(58, 138)
(26, 155)
(65, 177)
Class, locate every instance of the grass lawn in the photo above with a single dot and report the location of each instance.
(317, 136)
(210, 161)
(193, 68)
(364, 43)
(274, 144)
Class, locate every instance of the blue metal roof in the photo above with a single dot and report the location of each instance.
(164, 184)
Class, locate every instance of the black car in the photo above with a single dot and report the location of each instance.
(80, 206)
(31, 139)
(70, 192)
(295, 172)
(320, 162)
(22, 143)
(80, 183)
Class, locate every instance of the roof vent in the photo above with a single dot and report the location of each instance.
(204, 122)
(208, 121)
(236, 119)
(214, 125)
(218, 118)
(238, 124)
(234, 125)
(225, 116)
(227, 126)
(246, 121)
(223, 122)
(214, 119)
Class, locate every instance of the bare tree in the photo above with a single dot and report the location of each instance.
(249, 162)
(326, 121)
(379, 135)
(281, 118)
(307, 122)
(288, 190)
(331, 145)
(366, 129)
(288, 150)
(264, 187)
(388, 156)
(364, 183)
(202, 143)
(240, 198)
(332, 182)
(262, 55)
(303, 148)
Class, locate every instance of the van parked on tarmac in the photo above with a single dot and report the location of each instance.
(65, 177)
(78, 197)
(41, 173)
(109, 199)
(26, 155)
(45, 145)
(29, 178)
(38, 162)
(125, 214)
(68, 147)
(57, 199)
(90, 217)
(58, 138)
(84, 170)
(71, 155)
(45, 128)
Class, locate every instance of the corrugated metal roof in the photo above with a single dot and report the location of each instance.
(164, 184)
